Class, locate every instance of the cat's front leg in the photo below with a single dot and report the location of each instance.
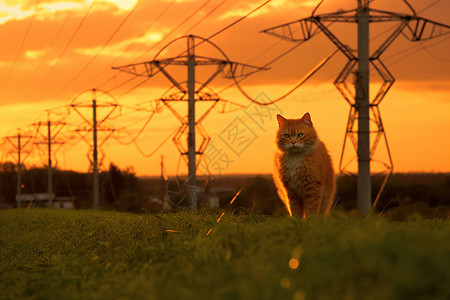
(312, 200)
(296, 204)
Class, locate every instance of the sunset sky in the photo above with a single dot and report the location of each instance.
(55, 51)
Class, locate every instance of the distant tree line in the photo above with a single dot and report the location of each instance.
(116, 186)
(426, 194)
(406, 194)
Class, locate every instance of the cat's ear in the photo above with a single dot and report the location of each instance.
(307, 118)
(280, 119)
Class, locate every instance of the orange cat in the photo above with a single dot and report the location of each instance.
(303, 172)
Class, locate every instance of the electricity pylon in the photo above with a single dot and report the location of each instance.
(362, 108)
(97, 124)
(19, 142)
(194, 91)
(49, 139)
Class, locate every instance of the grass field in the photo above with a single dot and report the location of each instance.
(70, 254)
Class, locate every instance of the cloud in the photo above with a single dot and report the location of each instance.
(13, 12)
(123, 4)
(147, 39)
(46, 8)
(34, 54)
(44, 11)
(275, 5)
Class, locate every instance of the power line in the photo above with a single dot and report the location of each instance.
(293, 48)
(204, 17)
(22, 44)
(52, 43)
(129, 47)
(392, 27)
(363, 107)
(191, 95)
(413, 49)
(173, 30)
(265, 65)
(239, 20)
(426, 49)
(271, 61)
(296, 86)
(133, 88)
(67, 45)
(153, 46)
(210, 37)
(101, 49)
(236, 82)
(156, 149)
(429, 6)
(407, 52)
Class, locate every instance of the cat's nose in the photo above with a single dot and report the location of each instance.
(293, 143)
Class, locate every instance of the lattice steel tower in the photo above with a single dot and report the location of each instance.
(362, 109)
(191, 91)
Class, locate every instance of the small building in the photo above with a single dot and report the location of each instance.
(43, 200)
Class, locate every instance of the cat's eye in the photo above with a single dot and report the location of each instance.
(300, 134)
(286, 135)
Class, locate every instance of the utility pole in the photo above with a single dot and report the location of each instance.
(362, 108)
(194, 92)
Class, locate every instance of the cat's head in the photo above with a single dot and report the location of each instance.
(296, 135)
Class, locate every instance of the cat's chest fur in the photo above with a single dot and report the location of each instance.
(291, 165)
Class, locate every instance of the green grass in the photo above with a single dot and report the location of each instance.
(69, 254)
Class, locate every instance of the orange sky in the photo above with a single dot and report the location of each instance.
(54, 50)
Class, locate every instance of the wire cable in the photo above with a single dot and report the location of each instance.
(239, 20)
(296, 86)
(156, 149)
(205, 17)
(140, 130)
(413, 49)
(51, 44)
(427, 50)
(67, 45)
(129, 47)
(273, 60)
(265, 65)
(22, 44)
(101, 49)
(134, 87)
(210, 37)
(429, 6)
(315, 69)
(173, 30)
